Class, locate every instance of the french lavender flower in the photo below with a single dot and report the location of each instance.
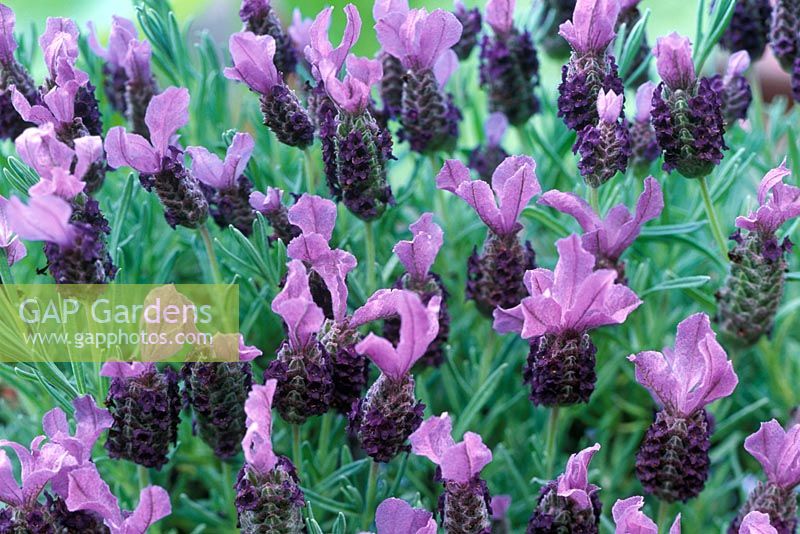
(12, 246)
(302, 370)
(783, 36)
(417, 257)
(390, 412)
(422, 42)
(606, 146)
(562, 307)
(59, 44)
(734, 89)
(260, 18)
(216, 391)
(89, 492)
(396, 516)
(569, 503)
(465, 506)
(495, 277)
(644, 145)
(630, 15)
(160, 160)
(687, 111)
(268, 494)
(486, 158)
(590, 68)
(509, 69)
(500, 505)
(146, 407)
(629, 518)
(226, 188)
(270, 205)
(749, 28)
(253, 60)
(391, 87)
(607, 239)
(749, 300)
(12, 74)
(757, 523)
(673, 462)
(471, 24)
(123, 31)
(557, 12)
(300, 33)
(141, 86)
(778, 452)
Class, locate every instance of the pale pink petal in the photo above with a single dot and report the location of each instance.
(757, 522)
(396, 516)
(674, 61)
(574, 482)
(88, 150)
(131, 150)
(465, 460)
(253, 60)
(573, 205)
(207, 167)
(515, 183)
(609, 106)
(496, 127)
(644, 101)
(452, 175)
(500, 15)
(166, 114)
(574, 265)
(418, 255)
(257, 442)
(314, 215)
(45, 218)
(433, 438)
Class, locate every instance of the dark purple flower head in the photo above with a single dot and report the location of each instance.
(166, 114)
(757, 523)
(775, 209)
(88, 491)
(608, 238)
(629, 518)
(418, 255)
(573, 298)
(591, 29)
(396, 516)
(123, 31)
(320, 48)
(471, 24)
(694, 373)
(257, 442)
(353, 93)
(39, 465)
(778, 452)
(499, 206)
(573, 483)
(219, 174)
(674, 62)
(459, 462)
(303, 318)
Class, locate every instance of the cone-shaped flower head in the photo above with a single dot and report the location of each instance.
(629, 518)
(123, 32)
(591, 28)
(320, 47)
(260, 18)
(783, 33)
(644, 145)
(88, 491)
(757, 523)
(396, 516)
(569, 501)
(253, 64)
(12, 74)
(226, 188)
(159, 161)
(486, 158)
(9, 241)
(471, 23)
(606, 146)
(749, 27)
(608, 238)
(270, 205)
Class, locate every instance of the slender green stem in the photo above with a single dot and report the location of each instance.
(5, 271)
(144, 476)
(297, 453)
(594, 199)
(712, 218)
(369, 241)
(212, 256)
(230, 500)
(372, 489)
(488, 354)
(324, 437)
(550, 450)
(663, 515)
(308, 170)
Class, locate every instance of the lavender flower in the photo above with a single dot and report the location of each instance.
(606, 146)
(12, 74)
(757, 523)
(734, 89)
(471, 23)
(509, 65)
(123, 32)
(146, 405)
(783, 37)
(227, 189)
(12, 247)
(562, 307)
(644, 145)
(465, 505)
(160, 160)
(391, 87)
(778, 452)
(396, 516)
(500, 505)
(272, 208)
(630, 519)
(590, 67)
(422, 42)
(486, 158)
(673, 462)
(752, 292)
(570, 502)
(417, 256)
(607, 239)
(88, 491)
(216, 391)
(749, 27)
(687, 112)
(495, 278)
(268, 494)
(253, 60)
(390, 413)
(260, 18)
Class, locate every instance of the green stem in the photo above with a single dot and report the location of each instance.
(143, 475)
(487, 355)
(550, 448)
(663, 515)
(594, 199)
(308, 168)
(297, 453)
(230, 497)
(369, 241)
(324, 437)
(212, 256)
(372, 489)
(5, 271)
(712, 218)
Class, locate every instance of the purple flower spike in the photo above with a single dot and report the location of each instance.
(257, 442)
(608, 239)
(12, 74)
(738, 63)
(320, 47)
(9, 241)
(418, 255)
(757, 523)
(353, 93)
(500, 15)
(591, 29)
(630, 519)
(514, 183)
(644, 145)
(253, 61)
(775, 209)
(396, 516)
(674, 61)
(88, 491)
(609, 106)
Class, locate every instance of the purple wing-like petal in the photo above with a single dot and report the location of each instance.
(166, 114)
(382, 8)
(257, 442)
(496, 126)
(500, 15)
(153, 505)
(465, 460)
(418, 255)
(10, 492)
(574, 482)
(433, 438)
(609, 106)
(757, 522)
(630, 519)
(295, 305)
(778, 452)
(131, 150)
(314, 215)
(8, 44)
(674, 61)
(88, 491)
(514, 181)
(644, 101)
(573, 205)
(396, 516)
(45, 218)
(207, 167)
(253, 61)
(40, 149)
